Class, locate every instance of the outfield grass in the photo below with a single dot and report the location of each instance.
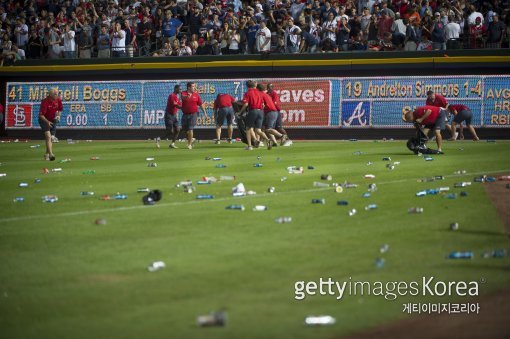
(63, 276)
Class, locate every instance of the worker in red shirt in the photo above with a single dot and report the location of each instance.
(438, 100)
(254, 102)
(279, 123)
(173, 104)
(270, 115)
(462, 113)
(49, 116)
(190, 103)
(432, 117)
(223, 109)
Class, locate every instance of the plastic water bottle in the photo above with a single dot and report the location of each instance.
(227, 177)
(386, 159)
(371, 207)
(259, 208)
(454, 226)
(56, 169)
(65, 160)
(205, 196)
(23, 184)
(50, 198)
(119, 196)
(37, 181)
(432, 191)
(220, 166)
(366, 195)
(3, 174)
(152, 164)
(319, 201)
(460, 172)
(319, 320)
(203, 182)
(327, 177)
(216, 159)
(451, 196)
(283, 220)
(35, 146)
(235, 207)
(97, 158)
(460, 255)
(85, 193)
(143, 190)
(421, 193)
(342, 202)
(156, 266)
(414, 210)
(19, 199)
(379, 262)
(320, 184)
(258, 165)
(89, 172)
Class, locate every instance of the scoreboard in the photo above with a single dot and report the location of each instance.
(305, 102)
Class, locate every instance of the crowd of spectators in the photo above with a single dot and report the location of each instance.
(55, 29)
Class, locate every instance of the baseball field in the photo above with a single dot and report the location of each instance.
(76, 265)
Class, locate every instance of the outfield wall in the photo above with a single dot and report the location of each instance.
(323, 96)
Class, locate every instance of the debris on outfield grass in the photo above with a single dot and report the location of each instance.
(3, 174)
(100, 221)
(462, 184)
(152, 197)
(89, 172)
(379, 262)
(65, 160)
(504, 177)
(358, 153)
(320, 184)
(55, 170)
(319, 320)
(216, 159)
(384, 248)
(212, 319)
(415, 210)
(295, 170)
(143, 190)
(220, 166)
(283, 220)
(454, 226)
(70, 141)
(207, 158)
(271, 189)
(95, 157)
(203, 182)
(205, 196)
(428, 158)
(339, 189)
(352, 212)
(227, 178)
(283, 179)
(86, 193)
(152, 164)
(349, 185)
(463, 194)
(35, 146)
(370, 207)
(209, 179)
(37, 181)
(450, 196)
(484, 178)
(184, 183)
(386, 159)
(120, 196)
(370, 163)
(434, 178)
(156, 266)
(235, 207)
(460, 172)
(366, 195)
(105, 197)
(50, 198)
(18, 199)
(460, 255)
(321, 201)
(497, 253)
(353, 139)
(259, 208)
(372, 187)
(45, 171)
(311, 167)
(23, 184)
(327, 177)
(491, 140)
(369, 176)
(146, 159)
(342, 202)
(239, 190)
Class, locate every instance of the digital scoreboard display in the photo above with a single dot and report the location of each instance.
(375, 102)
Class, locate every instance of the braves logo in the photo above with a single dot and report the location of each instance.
(359, 114)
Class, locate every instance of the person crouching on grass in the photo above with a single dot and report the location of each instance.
(431, 117)
(49, 117)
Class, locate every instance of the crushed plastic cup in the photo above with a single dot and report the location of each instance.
(23, 184)
(156, 266)
(259, 208)
(369, 176)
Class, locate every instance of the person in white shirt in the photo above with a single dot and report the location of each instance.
(398, 25)
(263, 37)
(292, 37)
(118, 38)
(21, 33)
(329, 28)
(452, 34)
(69, 43)
(474, 14)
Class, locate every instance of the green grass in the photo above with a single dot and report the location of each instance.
(63, 276)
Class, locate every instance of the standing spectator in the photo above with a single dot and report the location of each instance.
(344, 30)
(398, 25)
(131, 42)
(476, 33)
(292, 37)
(452, 34)
(384, 24)
(251, 35)
(69, 43)
(263, 38)
(474, 15)
(171, 26)
(144, 34)
(103, 43)
(21, 33)
(224, 38)
(412, 39)
(235, 38)
(329, 28)
(118, 38)
(191, 101)
(437, 33)
(84, 45)
(35, 46)
(495, 32)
